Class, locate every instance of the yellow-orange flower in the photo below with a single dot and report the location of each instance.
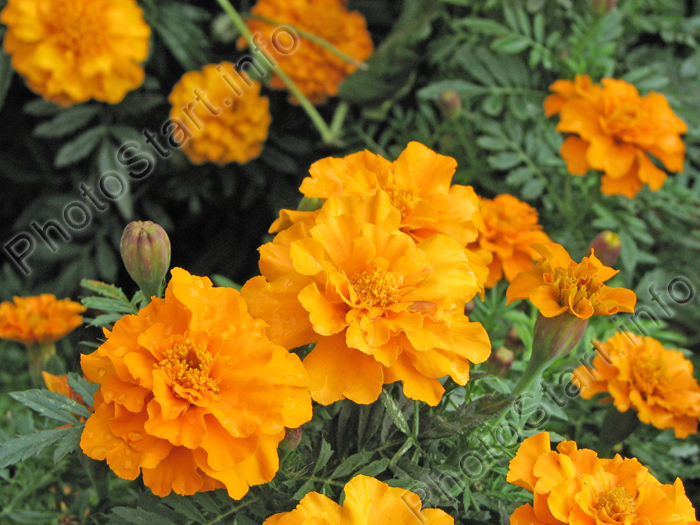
(69, 51)
(315, 70)
(218, 115)
(613, 130)
(510, 226)
(558, 285)
(379, 307)
(39, 319)
(575, 487)
(418, 184)
(639, 373)
(367, 501)
(193, 394)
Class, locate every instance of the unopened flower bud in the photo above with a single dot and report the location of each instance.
(292, 438)
(450, 104)
(145, 249)
(223, 29)
(606, 247)
(603, 6)
(499, 362)
(513, 340)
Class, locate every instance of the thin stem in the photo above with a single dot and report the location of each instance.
(326, 134)
(313, 38)
(339, 115)
(533, 370)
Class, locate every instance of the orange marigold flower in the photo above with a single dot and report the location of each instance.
(418, 184)
(510, 226)
(575, 487)
(380, 307)
(315, 70)
(218, 115)
(639, 373)
(72, 50)
(558, 285)
(367, 500)
(39, 319)
(193, 394)
(613, 130)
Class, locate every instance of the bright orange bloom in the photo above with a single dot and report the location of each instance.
(69, 51)
(558, 285)
(379, 307)
(367, 501)
(39, 319)
(315, 70)
(218, 115)
(510, 226)
(575, 487)
(418, 184)
(192, 394)
(639, 373)
(613, 130)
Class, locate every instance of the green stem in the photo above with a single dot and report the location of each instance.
(313, 38)
(38, 355)
(339, 115)
(533, 370)
(326, 134)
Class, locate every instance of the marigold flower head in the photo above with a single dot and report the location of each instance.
(558, 285)
(193, 394)
(614, 130)
(218, 115)
(639, 373)
(69, 51)
(39, 319)
(510, 226)
(573, 486)
(367, 500)
(418, 184)
(316, 70)
(379, 307)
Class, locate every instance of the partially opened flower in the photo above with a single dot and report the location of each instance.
(614, 129)
(193, 394)
(419, 185)
(70, 51)
(367, 500)
(640, 374)
(573, 486)
(317, 71)
(510, 226)
(379, 307)
(218, 115)
(39, 319)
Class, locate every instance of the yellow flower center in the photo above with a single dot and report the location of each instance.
(649, 373)
(77, 27)
(402, 197)
(375, 288)
(626, 116)
(616, 503)
(574, 283)
(188, 365)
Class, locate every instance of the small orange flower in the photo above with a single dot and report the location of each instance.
(367, 500)
(613, 130)
(192, 394)
(558, 285)
(59, 384)
(218, 115)
(379, 307)
(72, 50)
(510, 226)
(315, 70)
(418, 184)
(39, 319)
(574, 487)
(639, 373)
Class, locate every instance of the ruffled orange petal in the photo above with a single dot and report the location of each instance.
(573, 151)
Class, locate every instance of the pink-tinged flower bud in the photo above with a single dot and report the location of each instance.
(292, 438)
(603, 6)
(145, 249)
(450, 104)
(499, 362)
(606, 247)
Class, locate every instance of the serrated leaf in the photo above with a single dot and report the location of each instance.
(51, 404)
(140, 516)
(206, 502)
(532, 189)
(303, 490)
(41, 108)
(105, 319)
(510, 44)
(67, 121)
(483, 25)
(68, 443)
(324, 455)
(23, 447)
(220, 280)
(81, 387)
(107, 290)
(80, 147)
(6, 74)
(349, 465)
(492, 143)
(463, 88)
(107, 163)
(505, 160)
(184, 506)
(108, 305)
(469, 415)
(394, 411)
(375, 468)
